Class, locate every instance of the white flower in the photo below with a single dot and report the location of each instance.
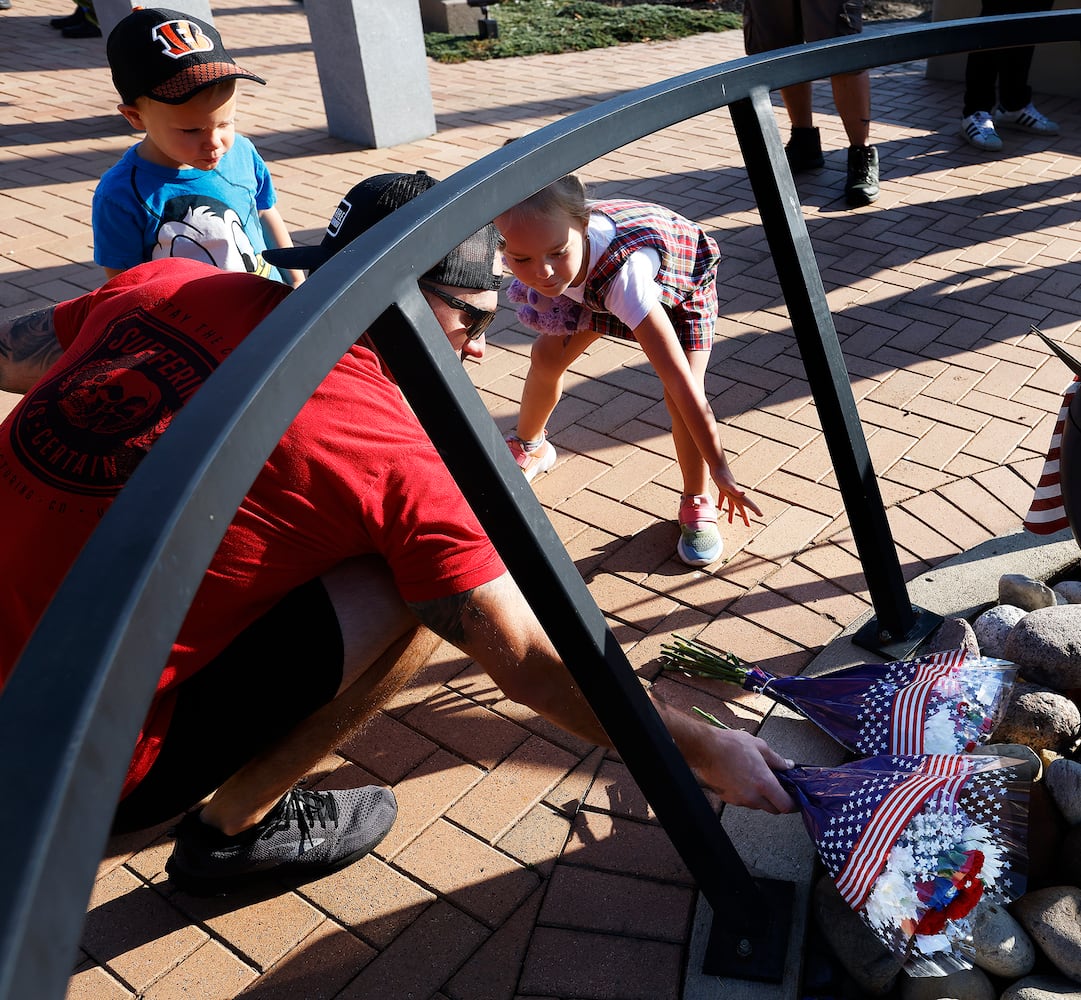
(893, 898)
(940, 732)
(978, 837)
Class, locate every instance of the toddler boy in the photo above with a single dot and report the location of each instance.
(192, 187)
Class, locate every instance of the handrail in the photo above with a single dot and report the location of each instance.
(83, 684)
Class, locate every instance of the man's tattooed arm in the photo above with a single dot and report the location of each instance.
(445, 615)
(28, 348)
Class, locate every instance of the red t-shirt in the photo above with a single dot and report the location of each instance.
(354, 473)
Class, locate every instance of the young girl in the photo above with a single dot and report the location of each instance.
(642, 273)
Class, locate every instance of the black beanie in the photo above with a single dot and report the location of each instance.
(468, 265)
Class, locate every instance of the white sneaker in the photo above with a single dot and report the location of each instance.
(1028, 119)
(978, 130)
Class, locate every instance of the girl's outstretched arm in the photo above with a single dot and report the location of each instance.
(658, 339)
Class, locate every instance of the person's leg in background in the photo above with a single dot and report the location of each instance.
(86, 26)
(1014, 108)
(997, 91)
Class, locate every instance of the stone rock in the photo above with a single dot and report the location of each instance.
(1000, 944)
(1069, 591)
(970, 984)
(994, 626)
(953, 633)
(1030, 767)
(866, 959)
(1048, 756)
(1052, 916)
(1046, 645)
(1046, 832)
(1024, 592)
(1039, 718)
(1068, 861)
(1063, 780)
(1042, 988)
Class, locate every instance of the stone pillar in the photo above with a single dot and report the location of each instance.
(109, 12)
(372, 70)
(451, 17)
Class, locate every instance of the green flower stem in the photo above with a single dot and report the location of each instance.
(710, 718)
(699, 660)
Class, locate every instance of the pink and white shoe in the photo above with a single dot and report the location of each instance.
(700, 542)
(534, 462)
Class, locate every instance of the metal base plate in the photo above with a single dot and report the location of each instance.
(755, 953)
(897, 648)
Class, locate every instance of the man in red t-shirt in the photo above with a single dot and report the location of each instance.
(352, 533)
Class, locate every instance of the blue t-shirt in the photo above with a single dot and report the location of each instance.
(143, 212)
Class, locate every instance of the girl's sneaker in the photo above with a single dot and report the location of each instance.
(978, 130)
(700, 542)
(1028, 119)
(532, 462)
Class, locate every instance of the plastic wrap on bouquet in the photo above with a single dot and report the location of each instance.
(914, 842)
(941, 703)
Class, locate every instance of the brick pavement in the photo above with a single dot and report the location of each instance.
(525, 863)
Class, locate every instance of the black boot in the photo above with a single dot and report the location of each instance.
(861, 184)
(76, 17)
(804, 150)
(85, 30)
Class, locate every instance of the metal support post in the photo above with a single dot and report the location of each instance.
(898, 626)
(476, 454)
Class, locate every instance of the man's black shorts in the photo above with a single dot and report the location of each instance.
(274, 674)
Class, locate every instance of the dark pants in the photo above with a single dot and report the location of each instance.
(272, 676)
(1006, 68)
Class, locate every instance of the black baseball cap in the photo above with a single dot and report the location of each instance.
(468, 265)
(168, 56)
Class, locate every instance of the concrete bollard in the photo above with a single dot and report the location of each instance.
(110, 12)
(372, 70)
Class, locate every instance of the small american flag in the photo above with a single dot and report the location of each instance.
(945, 810)
(1047, 515)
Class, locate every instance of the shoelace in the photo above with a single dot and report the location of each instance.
(305, 809)
(864, 157)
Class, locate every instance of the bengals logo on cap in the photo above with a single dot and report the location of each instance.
(181, 38)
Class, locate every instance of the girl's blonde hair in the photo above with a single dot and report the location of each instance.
(565, 196)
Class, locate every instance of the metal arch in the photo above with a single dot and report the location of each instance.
(69, 714)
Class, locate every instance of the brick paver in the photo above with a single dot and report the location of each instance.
(525, 863)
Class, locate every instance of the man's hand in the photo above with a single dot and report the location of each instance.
(739, 768)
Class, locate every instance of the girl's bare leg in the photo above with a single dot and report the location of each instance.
(549, 360)
(691, 463)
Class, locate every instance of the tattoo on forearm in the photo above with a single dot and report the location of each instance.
(445, 615)
(29, 342)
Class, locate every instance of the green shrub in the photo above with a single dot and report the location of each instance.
(532, 27)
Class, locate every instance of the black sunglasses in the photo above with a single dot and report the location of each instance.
(479, 319)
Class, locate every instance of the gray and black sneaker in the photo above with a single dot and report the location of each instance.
(306, 835)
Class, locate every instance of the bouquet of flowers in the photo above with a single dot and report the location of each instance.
(914, 842)
(942, 703)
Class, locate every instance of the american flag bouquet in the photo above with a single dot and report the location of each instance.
(914, 842)
(942, 703)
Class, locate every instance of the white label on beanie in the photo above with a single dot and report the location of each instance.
(338, 218)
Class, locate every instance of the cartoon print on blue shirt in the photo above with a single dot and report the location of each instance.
(203, 228)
